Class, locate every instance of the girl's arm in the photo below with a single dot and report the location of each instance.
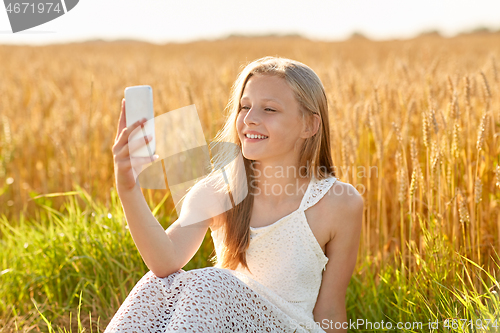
(164, 252)
(345, 212)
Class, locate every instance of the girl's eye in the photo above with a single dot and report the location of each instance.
(248, 108)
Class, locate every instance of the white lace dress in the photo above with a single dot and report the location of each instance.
(279, 295)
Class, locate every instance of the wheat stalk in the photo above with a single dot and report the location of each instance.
(486, 87)
(453, 109)
(433, 120)
(467, 91)
(435, 158)
(463, 211)
(344, 148)
(377, 135)
(494, 68)
(397, 129)
(481, 132)
(425, 129)
(416, 163)
(377, 100)
(451, 88)
(497, 174)
(478, 190)
(455, 145)
(401, 177)
(413, 184)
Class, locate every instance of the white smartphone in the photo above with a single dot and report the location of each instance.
(138, 105)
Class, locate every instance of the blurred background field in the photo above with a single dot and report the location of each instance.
(421, 115)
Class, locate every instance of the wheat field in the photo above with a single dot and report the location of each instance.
(415, 127)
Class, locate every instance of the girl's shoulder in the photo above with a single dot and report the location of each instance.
(342, 208)
(342, 196)
(205, 200)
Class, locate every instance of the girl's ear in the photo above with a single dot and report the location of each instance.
(311, 126)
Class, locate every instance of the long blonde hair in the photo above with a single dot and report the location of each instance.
(315, 153)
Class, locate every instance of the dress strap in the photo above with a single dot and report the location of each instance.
(318, 188)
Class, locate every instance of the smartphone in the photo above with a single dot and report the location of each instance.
(138, 105)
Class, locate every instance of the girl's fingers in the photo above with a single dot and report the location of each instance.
(136, 162)
(132, 146)
(143, 160)
(125, 133)
(136, 144)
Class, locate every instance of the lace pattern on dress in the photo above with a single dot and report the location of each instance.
(205, 300)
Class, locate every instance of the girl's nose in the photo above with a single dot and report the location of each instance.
(251, 117)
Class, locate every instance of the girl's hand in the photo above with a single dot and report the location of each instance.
(124, 175)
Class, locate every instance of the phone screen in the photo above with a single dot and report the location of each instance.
(138, 105)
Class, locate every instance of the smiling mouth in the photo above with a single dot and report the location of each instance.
(255, 137)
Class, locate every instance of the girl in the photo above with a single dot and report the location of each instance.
(284, 254)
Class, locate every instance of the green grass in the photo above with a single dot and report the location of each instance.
(80, 261)
(431, 293)
(47, 262)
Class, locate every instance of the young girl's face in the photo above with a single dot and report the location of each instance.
(268, 108)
